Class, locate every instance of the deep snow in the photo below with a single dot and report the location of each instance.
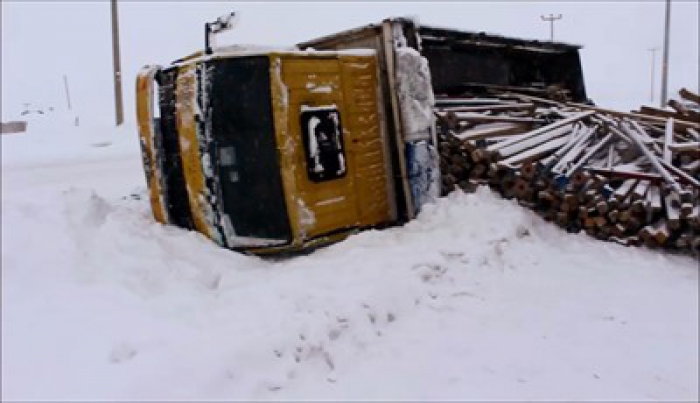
(476, 299)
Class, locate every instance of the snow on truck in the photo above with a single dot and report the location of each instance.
(270, 151)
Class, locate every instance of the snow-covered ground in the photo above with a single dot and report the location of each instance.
(476, 299)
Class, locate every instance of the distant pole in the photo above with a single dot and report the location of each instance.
(117, 66)
(653, 71)
(551, 18)
(65, 84)
(664, 67)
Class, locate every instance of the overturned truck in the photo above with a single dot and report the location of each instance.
(278, 151)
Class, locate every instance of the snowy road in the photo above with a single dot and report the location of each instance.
(476, 299)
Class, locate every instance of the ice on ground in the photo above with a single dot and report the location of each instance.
(476, 299)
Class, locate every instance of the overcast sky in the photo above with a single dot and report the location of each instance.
(43, 41)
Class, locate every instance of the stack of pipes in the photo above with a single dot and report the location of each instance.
(631, 178)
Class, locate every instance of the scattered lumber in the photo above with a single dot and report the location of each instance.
(690, 96)
(630, 178)
(677, 114)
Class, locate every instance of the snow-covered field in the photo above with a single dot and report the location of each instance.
(476, 299)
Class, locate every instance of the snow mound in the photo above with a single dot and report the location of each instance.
(456, 304)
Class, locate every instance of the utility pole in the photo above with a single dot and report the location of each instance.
(117, 66)
(65, 84)
(70, 107)
(653, 70)
(551, 18)
(664, 67)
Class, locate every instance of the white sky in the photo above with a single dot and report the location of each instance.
(42, 41)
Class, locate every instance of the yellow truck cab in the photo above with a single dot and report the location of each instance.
(267, 151)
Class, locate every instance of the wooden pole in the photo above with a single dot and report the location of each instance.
(65, 84)
(118, 102)
(667, 35)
